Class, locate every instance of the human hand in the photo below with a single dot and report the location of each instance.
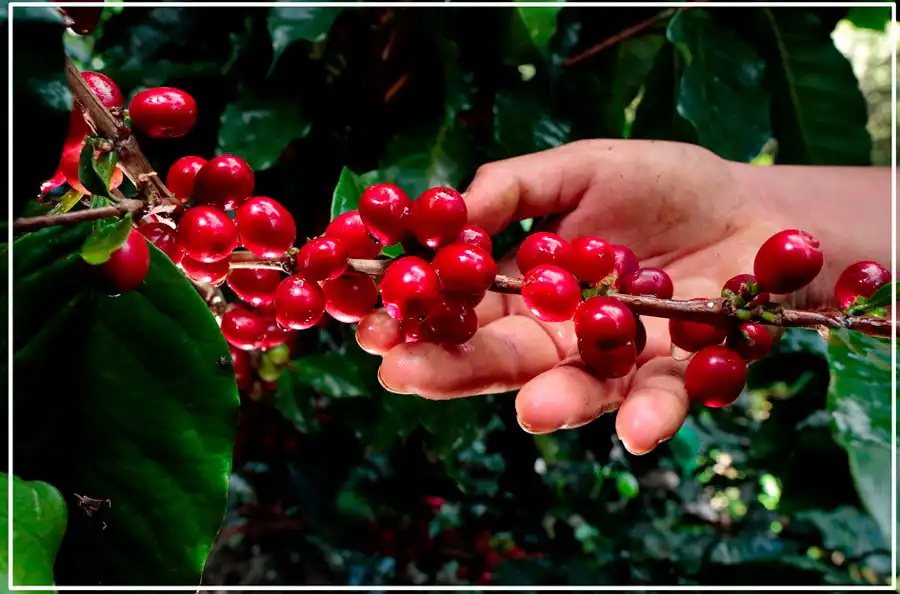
(677, 206)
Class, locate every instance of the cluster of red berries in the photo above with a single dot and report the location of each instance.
(447, 270)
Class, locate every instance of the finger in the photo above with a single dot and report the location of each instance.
(377, 333)
(502, 356)
(655, 407)
(566, 397)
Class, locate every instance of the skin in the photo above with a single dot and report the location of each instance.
(679, 207)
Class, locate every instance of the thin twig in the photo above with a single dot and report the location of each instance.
(70, 218)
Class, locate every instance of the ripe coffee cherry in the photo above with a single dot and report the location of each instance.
(438, 216)
(693, 336)
(350, 230)
(751, 341)
(275, 335)
(323, 258)
(626, 263)
(542, 248)
(649, 282)
(348, 298)
(213, 273)
(69, 168)
(182, 173)
(243, 329)
(127, 267)
(163, 237)
(206, 234)
(551, 293)
(105, 89)
(299, 303)
(384, 208)
(464, 269)
(81, 20)
(472, 235)
(736, 285)
(224, 182)
(451, 320)
(408, 288)
(163, 112)
(611, 363)
(787, 262)
(256, 286)
(243, 369)
(415, 330)
(715, 376)
(591, 259)
(604, 323)
(859, 281)
(640, 337)
(266, 227)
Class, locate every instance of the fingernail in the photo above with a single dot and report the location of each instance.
(631, 450)
(529, 429)
(385, 386)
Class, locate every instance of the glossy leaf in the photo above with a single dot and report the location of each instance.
(144, 412)
(329, 374)
(540, 22)
(346, 193)
(66, 202)
(859, 399)
(89, 172)
(874, 18)
(259, 130)
(847, 530)
(288, 24)
(106, 238)
(721, 90)
(38, 525)
(819, 114)
(883, 297)
(657, 116)
(522, 125)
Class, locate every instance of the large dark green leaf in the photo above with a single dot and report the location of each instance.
(875, 18)
(346, 193)
(657, 115)
(38, 526)
(259, 129)
(819, 114)
(288, 24)
(721, 90)
(523, 125)
(129, 398)
(329, 374)
(847, 530)
(859, 399)
(540, 23)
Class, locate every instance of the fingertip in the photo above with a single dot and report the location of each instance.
(655, 408)
(377, 333)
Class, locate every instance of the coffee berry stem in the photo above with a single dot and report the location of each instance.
(120, 208)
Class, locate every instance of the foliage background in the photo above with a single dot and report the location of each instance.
(336, 481)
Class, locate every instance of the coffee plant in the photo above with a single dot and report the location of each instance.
(206, 201)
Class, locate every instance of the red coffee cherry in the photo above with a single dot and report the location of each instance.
(715, 376)
(626, 263)
(591, 259)
(213, 273)
(451, 320)
(322, 258)
(163, 112)
(105, 89)
(350, 230)
(163, 237)
(438, 216)
(551, 293)
(751, 341)
(225, 182)
(610, 363)
(408, 288)
(415, 330)
(275, 335)
(68, 166)
(472, 235)
(605, 322)
(182, 173)
(266, 227)
(859, 281)
(81, 20)
(737, 285)
(350, 297)
(243, 329)
(464, 269)
(299, 303)
(787, 262)
(384, 209)
(243, 369)
(542, 248)
(649, 282)
(693, 336)
(126, 267)
(256, 286)
(206, 234)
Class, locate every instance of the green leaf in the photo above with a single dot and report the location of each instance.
(657, 116)
(819, 114)
(66, 202)
(540, 22)
(522, 124)
(721, 91)
(875, 18)
(288, 24)
(38, 525)
(883, 297)
(330, 374)
(259, 129)
(846, 529)
(107, 238)
(89, 172)
(859, 399)
(125, 398)
(346, 193)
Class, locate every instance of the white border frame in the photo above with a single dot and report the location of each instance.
(196, 588)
